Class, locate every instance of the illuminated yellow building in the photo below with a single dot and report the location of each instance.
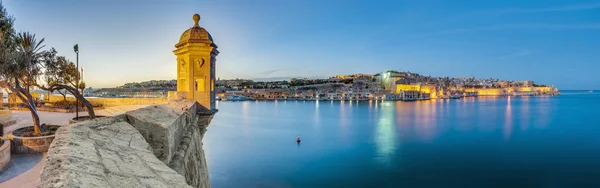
(545, 89)
(407, 87)
(427, 89)
(196, 56)
(526, 89)
(423, 91)
(490, 92)
(456, 91)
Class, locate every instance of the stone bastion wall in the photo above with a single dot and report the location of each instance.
(156, 146)
(110, 102)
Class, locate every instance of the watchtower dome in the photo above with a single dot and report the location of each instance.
(196, 56)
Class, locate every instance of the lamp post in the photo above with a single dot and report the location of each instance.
(76, 49)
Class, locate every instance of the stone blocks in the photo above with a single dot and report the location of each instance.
(30, 144)
(105, 152)
(155, 146)
(175, 131)
(4, 154)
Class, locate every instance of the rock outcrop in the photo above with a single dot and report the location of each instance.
(156, 146)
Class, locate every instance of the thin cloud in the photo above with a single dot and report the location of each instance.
(566, 8)
(517, 54)
(579, 7)
(513, 26)
(269, 72)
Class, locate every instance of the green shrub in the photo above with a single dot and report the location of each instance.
(64, 104)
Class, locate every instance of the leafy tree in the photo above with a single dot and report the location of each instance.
(19, 63)
(62, 74)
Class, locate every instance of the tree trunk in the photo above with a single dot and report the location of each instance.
(87, 104)
(80, 97)
(29, 103)
(34, 115)
(63, 94)
(32, 107)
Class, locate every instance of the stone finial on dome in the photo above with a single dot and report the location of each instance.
(196, 18)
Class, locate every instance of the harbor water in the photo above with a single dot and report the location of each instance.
(468, 142)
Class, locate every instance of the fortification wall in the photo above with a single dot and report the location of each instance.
(156, 146)
(110, 102)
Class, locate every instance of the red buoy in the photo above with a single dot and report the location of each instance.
(298, 140)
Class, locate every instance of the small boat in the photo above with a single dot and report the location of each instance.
(591, 91)
(298, 140)
(236, 98)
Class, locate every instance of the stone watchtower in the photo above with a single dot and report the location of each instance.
(196, 56)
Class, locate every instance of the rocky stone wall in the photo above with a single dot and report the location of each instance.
(189, 157)
(105, 152)
(4, 154)
(175, 132)
(110, 102)
(156, 146)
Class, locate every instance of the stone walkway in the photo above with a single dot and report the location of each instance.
(28, 179)
(25, 170)
(23, 118)
(19, 163)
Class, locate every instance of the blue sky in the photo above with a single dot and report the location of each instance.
(550, 42)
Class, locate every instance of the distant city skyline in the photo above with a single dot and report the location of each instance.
(549, 42)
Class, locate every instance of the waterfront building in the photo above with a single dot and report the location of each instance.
(490, 92)
(527, 83)
(503, 84)
(409, 95)
(354, 76)
(546, 90)
(407, 87)
(388, 79)
(468, 93)
(267, 93)
(392, 97)
(525, 90)
(333, 96)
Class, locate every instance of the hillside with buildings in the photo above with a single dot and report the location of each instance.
(387, 85)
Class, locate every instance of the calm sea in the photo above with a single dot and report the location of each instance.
(469, 142)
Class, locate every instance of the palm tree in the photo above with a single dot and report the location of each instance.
(28, 68)
(19, 63)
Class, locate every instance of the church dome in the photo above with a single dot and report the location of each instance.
(196, 34)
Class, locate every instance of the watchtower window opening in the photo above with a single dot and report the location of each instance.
(200, 84)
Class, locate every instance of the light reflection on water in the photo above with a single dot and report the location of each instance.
(508, 120)
(385, 138)
(468, 142)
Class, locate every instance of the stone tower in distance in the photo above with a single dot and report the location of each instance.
(196, 56)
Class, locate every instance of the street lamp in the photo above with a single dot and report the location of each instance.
(76, 49)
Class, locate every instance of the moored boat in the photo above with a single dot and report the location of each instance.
(236, 98)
